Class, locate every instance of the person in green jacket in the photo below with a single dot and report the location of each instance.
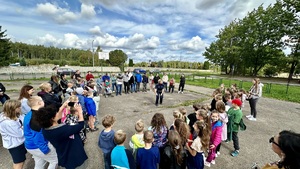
(235, 115)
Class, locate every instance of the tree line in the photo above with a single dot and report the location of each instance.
(257, 41)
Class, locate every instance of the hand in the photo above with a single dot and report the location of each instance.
(212, 146)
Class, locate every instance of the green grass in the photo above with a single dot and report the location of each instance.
(270, 90)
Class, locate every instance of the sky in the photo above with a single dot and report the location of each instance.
(146, 30)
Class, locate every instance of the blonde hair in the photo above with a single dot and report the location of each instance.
(108, 120)
(177, 114)
(148, 136)
(120, 137)
(45, 86)
(139, 125)
(182, 110)
(9, 109)
(73, 98)
(218, 97)
(33, 100)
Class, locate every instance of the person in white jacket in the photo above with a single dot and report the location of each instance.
(254, 94)
(12, 132)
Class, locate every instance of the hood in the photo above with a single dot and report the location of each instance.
(41, 93)
(2, 117)
(261, 84)
(107, 136)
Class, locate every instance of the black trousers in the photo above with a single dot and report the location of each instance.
(235, 140)
(181, 86)
(253, 103)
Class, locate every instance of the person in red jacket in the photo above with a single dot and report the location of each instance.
(89, 76)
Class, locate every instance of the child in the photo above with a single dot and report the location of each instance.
(137, 141)
(69, 91)
(91, 110)
(70, 117)
(192, 117)
(171, 85)
(215, 138)
(174, 155)
(199, 145)
(176, 115)
(120, 156)
(183, 111)
(12, 132)
(234, 115)
(106, 139)
(149, 156)
(159, 129)
(224, 118)
(227, 97)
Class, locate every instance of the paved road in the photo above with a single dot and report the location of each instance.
(273, 116)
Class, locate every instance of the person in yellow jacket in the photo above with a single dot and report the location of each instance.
(137, 140)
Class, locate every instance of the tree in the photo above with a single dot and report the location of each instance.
(22, 62)
(206, 65)
(4, 49)
(130, 64)
(117, 58)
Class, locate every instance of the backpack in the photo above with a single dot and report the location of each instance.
(242, 125)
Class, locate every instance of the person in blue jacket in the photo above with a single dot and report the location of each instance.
(42, 151)
(138, 78)
(91, 110)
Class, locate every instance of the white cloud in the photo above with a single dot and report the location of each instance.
(95, 30)
(194, 44)
(60, 15)
(87, 11)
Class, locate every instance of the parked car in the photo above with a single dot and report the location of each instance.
(139, 70)
(154, 71)
(65, 70)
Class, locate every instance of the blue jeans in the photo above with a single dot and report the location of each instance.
(133, 87)
(119, 89)
(107, 161)
(114, 85)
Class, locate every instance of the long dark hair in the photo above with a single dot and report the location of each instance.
(289, 143)
(176, 145)
(158, 122)
(24, 92)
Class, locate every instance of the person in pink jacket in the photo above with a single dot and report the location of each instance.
(215, 138)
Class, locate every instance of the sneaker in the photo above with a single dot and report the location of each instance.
(94, 129)
(207, 164)
(181, 92)
(235, 153)
(252, 119)
(213, 162)
(218, 153)
(249, 116)
(178, 92)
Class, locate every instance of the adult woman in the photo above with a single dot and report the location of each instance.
(55, 87)
(63, 82)
(181, 84)
(47, 95)
(12, 132)
(70, 151)
(159, 91)
(254, 94)
(25, 93)
(286, 146)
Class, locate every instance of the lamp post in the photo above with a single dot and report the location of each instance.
(93, 53)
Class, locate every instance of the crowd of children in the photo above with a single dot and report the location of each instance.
(192, 141)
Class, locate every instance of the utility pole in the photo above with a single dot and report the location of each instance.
(93, 52)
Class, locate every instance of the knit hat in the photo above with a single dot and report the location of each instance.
(79, 90)
(237, 102)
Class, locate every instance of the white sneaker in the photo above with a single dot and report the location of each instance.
(207, 164)
(213, 162)
(249, 116)
(252, 119)
(181, 92)
(218, 153)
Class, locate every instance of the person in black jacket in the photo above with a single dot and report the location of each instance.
(181, 84)
(3, 96)
(48, 97)
(159, 91)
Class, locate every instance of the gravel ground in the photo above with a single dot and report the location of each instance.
(273, 116)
